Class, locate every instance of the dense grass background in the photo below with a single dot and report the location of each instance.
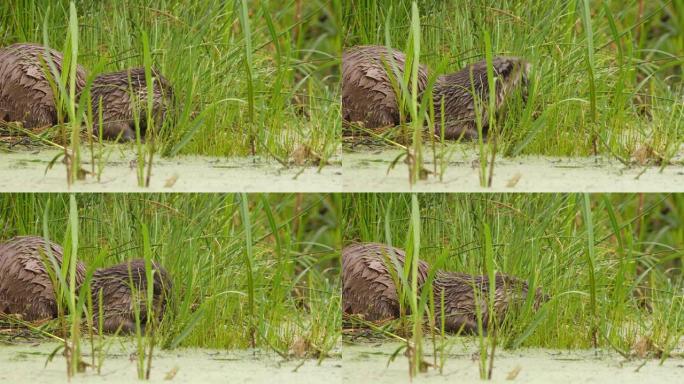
(637, 253)
(201, 47)
(201, 241)
(607, 77)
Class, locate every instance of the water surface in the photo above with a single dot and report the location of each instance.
(28, 363)
(370, 362)
(372, 171)
(28, 171)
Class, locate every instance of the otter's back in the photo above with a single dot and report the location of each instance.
(25, 286)
(367, 285)
(367, 93)
(25, 92)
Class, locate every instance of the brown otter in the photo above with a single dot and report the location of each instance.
(369, 98)
(25, 285)
(367, 93)
(25, 92)
(119, 109)
(119, 300)
(369, 290)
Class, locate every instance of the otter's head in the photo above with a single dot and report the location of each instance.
(513, 73)
(124, 98)
(512, 290)
(540, 298)
(124, 290)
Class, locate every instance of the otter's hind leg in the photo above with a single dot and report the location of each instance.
(43, 116)
(45, 308)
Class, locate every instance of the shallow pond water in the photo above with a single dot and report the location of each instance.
(27, 171)
(369, 171)
(370, 363)
(27, 363)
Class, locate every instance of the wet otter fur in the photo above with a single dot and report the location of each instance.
(367, 284)
(25, 92)
(119, 300)
(119, 108)
(367, 93)
(368, 97)
(368, 289)
(26, 288)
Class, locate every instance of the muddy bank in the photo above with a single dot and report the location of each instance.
(367, 170)
(369, 363)
(28, 364)
(26, 171)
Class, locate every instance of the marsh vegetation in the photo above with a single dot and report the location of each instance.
(248, 271)
(248, 78)
(605, 78)
(610, 264)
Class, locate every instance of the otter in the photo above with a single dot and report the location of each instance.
(119, 109)
(119, 300)
(367, 93)
(369, 290)
(26, 288)
(25, 92)
(369, 98)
